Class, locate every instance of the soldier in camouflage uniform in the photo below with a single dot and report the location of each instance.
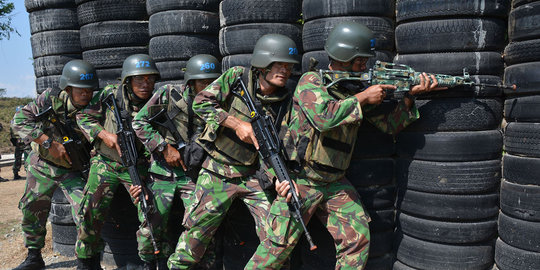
(167, 170)
(228, 172)
(21, 150)
(139, 74)
(320, 140)
(49, 164)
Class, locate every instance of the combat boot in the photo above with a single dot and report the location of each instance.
(89, 263)
(16, 176)
(33, 261)
(151, 265)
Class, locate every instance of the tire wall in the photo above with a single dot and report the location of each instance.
(64, 231)
(448, 165)
(54, 38)
(111, 31)
(520, 186)
(179, 30)
(371, 169)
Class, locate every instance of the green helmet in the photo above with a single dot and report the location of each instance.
(202, 66)
(138, 64)
(79, 73)
(274, 48)
(349, 40)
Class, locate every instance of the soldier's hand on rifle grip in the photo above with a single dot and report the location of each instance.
(111, 140)
(173, 157)
(244, 131)
(427, 84)
(135, 193)
(374, 94)
(282, 189)
(57, 150)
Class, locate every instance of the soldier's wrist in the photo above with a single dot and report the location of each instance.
(409, 96)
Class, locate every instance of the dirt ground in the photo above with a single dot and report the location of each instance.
(12, 250)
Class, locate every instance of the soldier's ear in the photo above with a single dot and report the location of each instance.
(68, 90)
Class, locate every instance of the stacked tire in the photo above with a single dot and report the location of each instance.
(110, 32)
(54, 39)
(518, 246)
(448, 168)
(243, 22)
(64, 230)
(180, 30)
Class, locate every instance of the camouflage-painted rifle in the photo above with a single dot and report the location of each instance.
(270, 150)
(126, 140)
(78, 152)
(403, 77)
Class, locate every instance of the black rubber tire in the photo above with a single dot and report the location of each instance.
(183, 22)
(171, 70)
(523, 22)
(33, 5)
(380, 243)
(450, 146)
(373, 145)
(517, 3)
(369, 172)
(380, 263)
(522, 51)
(155, 6)
(45, 82)
(111, 10)
(107, 76)
(165, 48)
(457, 114)
(59, 197)
(377, 197)
(448, 177)
(55, 43)
(230, 61)
(111, 34)
(452, 35)
(251, 32)
(52, 64)
(447, 207)
(476, 63)
(313, 9)
(522, 139)
(64, 234)
(61, 214)
(323, 61)
(447, 232)
(508, 257)
(427, 255)
(520, 201)
(66, 251)
(316, 32)
(519, 233)
(525, 76)
(111, 57)
(521, 170)
(164, 82)
(53, 19)
(411, 9)
(382, 220)
(233, 12)
(522, 109)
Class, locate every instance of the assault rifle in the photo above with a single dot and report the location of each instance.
(129, 156)
(163, 118)
(403, 77)
(270, 150)
(76, 149)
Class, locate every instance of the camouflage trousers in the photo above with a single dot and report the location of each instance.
(20, 155)
(104, 178)
(213, 198)
(163, 190)
(338, 207)
(41, 181)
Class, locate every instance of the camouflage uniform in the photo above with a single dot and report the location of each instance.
(228, 172)
(166, 181)
(321, 137)
(45, 173)
(106, 171)
(21, 151)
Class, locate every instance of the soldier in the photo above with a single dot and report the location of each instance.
(168, 175)
(139, 74)
(228, 172)
(21, 150)
(50, 165)
(320, 141)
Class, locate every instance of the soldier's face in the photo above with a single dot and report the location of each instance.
(80, 96)
(359, 64)
(279, 73)
(143, 85)
(199, 85)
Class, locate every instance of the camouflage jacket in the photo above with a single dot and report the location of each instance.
(214, 104)
(97, 117)
(28, 126)
(323, 125)
(152, 136)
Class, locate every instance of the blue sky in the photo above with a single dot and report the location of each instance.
(16, 71)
